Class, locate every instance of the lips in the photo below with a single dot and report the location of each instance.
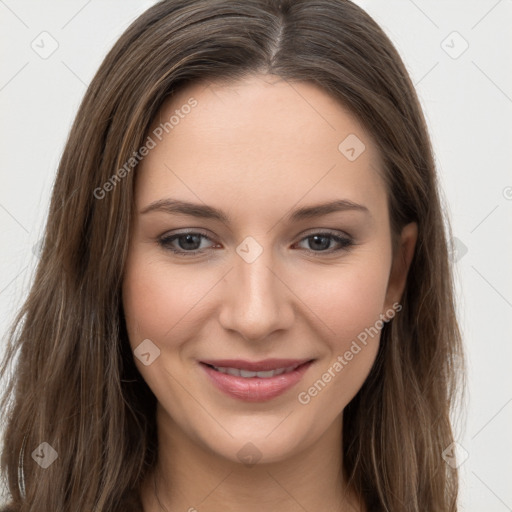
(236, 372)
(255, 381)
(255, 366)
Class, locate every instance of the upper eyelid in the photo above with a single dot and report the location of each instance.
(313, 231)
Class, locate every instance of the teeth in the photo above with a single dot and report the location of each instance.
(236, 372)
(246, 373)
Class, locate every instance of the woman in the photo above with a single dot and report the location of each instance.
(244, 297)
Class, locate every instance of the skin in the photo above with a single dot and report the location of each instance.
(257, 149)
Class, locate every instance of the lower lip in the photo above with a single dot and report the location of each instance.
(255, 389)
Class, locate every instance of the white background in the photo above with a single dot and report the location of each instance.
(468, 105)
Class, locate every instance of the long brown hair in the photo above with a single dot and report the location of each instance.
(75, 385)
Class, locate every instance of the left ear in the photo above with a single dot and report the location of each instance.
(401, 263)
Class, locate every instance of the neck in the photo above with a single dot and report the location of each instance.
(190, 477)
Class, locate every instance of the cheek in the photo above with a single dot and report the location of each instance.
(158, 303)
(349, 302)
(346, 299)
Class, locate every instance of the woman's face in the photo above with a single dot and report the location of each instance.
(266, 274)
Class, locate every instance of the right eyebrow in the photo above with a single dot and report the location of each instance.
(173, 206)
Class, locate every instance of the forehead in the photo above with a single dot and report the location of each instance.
(258, 139)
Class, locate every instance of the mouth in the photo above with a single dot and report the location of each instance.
(255, 381)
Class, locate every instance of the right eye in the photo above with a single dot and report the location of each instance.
(184, 244)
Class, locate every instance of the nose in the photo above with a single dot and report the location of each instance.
(257, 300)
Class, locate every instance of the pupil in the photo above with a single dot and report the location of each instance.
(324, 238)
(189, 240)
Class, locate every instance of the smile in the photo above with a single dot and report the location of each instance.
(237, 372)
(255, 381)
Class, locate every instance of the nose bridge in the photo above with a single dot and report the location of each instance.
(257, 302)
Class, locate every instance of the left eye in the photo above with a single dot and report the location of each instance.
(189, 243)
(322, 241)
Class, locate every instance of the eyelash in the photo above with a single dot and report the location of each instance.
(345, 243)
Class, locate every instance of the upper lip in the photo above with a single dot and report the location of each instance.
(255, 366)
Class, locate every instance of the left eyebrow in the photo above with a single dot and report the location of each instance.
(340, 205)
(174, 206)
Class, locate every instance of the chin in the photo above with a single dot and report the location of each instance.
(260, 442)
